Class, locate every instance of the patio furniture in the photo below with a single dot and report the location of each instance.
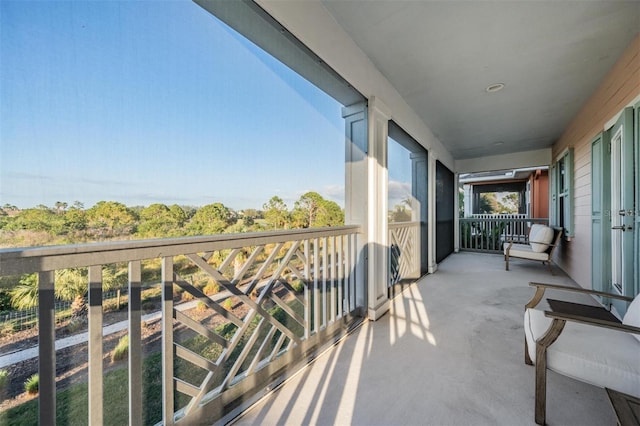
(594, 347)
(542, 242)
(626, 407)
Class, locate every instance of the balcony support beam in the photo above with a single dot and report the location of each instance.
(366, 204)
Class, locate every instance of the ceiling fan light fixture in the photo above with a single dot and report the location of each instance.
(492, 88)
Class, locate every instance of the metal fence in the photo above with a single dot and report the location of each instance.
(28, 318)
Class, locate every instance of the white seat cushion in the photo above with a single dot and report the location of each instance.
(540, 237)
(596, 355)
(632, 317)
(525, 251)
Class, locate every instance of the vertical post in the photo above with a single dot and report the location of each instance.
(316, 283)
(419, 189)
(167, 341)
(468, 200)
(456, 213)
(46, 349)
(356, 175)
(377, 207)
(340, 275)
(325, 274)
(334, 280)
(135, 344)
(307, 292)
(431, 169)
(95, 346)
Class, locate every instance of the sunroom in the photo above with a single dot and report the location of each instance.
(462, 88)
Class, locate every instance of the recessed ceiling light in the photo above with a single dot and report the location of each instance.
(492, 88)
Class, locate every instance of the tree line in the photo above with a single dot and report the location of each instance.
(106, 220)
(110, 220)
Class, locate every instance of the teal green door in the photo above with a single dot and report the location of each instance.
(614, 218)
(600, 212)
(622, 207)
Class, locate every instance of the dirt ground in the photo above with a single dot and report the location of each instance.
(71, 363)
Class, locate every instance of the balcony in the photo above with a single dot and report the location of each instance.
(449, 351)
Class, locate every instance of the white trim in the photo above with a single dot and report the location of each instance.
(612, 122)
(562, 154)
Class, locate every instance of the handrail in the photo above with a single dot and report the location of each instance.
(14, 261)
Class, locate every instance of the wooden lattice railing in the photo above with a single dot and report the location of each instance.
(404, 251)
(282, 294)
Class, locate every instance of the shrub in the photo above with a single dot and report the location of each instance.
(4, 382)
(32, 384)
(227, 304)
(186, 296)
(76, 324)
(201, 307)
(297, 286)
(121, 351)
(211, 289)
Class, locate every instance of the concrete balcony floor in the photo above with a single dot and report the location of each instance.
(449, 352)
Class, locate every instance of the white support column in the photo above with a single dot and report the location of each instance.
(366, 187)
(468, 200)
(356, 175)
(456, 213)
(431, 170)
(377, 206)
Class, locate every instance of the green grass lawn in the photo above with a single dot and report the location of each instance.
(72, 407)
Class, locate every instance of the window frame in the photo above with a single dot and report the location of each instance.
(562, 199)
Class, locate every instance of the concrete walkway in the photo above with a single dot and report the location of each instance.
(450, 352)
(66, 342)
(76, 339)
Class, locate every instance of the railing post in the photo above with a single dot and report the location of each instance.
(95, 346)
(167, 341)
(135, 344)
(46, 349)
(307, 292)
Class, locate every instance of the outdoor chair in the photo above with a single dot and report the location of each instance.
(542, 242)
(594, 346)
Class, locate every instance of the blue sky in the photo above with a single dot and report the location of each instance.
(145, 102)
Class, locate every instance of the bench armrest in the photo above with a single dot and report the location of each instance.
(541, 287)
(592, 321)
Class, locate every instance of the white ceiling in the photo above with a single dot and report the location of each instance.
(441, 55)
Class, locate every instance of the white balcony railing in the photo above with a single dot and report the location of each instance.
(298, 289)
(489, 232)
(404, 251)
